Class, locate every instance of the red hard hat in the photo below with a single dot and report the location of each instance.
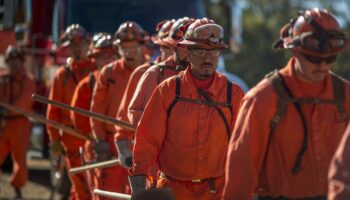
(74, 32)
(130, 31)
(102, 45)
(163, 29)
(315, 32)
(178, 30)
(204, 33)
(13, 52)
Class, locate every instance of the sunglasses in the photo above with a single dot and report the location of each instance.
(318, 60)
(202, 52)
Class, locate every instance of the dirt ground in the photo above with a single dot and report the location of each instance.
(38, 185)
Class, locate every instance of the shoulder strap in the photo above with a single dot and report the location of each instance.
(161, 69)
(229, 96)
(109, 74)
(69, 73)
(283, 96)
(339, 95)
(92, 81)
(177, 95)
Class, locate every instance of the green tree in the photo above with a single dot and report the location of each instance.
(262, 20)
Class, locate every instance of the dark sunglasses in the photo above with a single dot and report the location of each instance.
(318, 60)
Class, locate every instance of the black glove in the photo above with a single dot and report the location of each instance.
(56, 148)
(137, 183)
(102, 152)
(124, 153)
(3, 112)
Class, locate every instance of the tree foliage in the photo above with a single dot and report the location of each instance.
(262, 20)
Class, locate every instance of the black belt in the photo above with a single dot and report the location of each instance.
(211, 181)
(285, 198)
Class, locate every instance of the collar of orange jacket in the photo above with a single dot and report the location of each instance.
(303, 89)
(202, 84)
(77, 65)
(214, 88)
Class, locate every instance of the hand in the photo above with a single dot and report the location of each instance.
(137, 183)
(101, 150)
(124, 153)
(56, 148)
(3, 112)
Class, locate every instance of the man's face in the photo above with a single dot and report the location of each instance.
(15, 65)
(203, 61)
(313, 69)
(78, 49)
(132, 52)
(102, 58)
(165, 52)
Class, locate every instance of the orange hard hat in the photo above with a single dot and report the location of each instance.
(163, 29)
(178, 30)
(13, 52)
(130, 31)
(204, 33)
(102, 45)
(314, 32)
(74, 32)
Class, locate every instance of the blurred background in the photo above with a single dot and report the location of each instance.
(251, 27)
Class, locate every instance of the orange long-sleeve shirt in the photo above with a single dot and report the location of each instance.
(17, 91)
(122, 113)
(246, 173)
(144, 89)
(62, 90)
(192, 142)
(339, 172)
(82, 99)
(107, 95)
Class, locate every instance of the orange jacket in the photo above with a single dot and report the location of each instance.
(246, 171)
(128, 94)
(62, 90)
(191, 143)
(339, 172)
(17, 91)
(145, 87)
(107, 95)
(82, 99)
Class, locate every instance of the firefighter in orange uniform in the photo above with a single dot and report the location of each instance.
(157, 73)
(107, 95)
(188, 120)
(123, 136)
(103, 52)
(65, 80)
(339, 171)
(16, 88)
(291, 123)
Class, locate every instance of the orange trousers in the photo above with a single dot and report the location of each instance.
(14, 139)
(79, 190)
(90, 174)
(114, 179)
(192, 191)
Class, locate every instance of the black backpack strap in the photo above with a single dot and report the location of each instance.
(177, 95)
(222, 115)
(283, 96)
(92, 81)
(229, 96)
(339, 95)
(68, 74)
(109, 74)
(161, 69)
